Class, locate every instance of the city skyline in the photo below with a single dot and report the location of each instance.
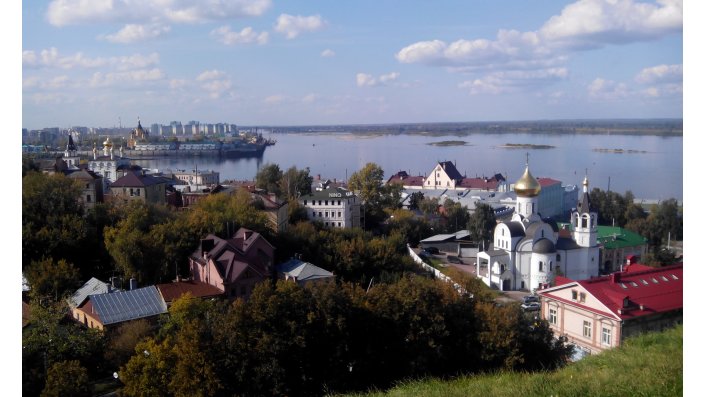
(262, 62)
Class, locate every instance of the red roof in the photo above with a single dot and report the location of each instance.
(173, 291)
(479, 183)
(648, 290)
(547, 182)
(405, 179)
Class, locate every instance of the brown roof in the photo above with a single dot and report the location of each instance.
(132, 179)
(172, 291)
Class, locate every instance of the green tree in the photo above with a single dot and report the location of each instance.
(150, 370)
(55, 279)
(122, 342)
(52, 218)
(429, 206)
(368, 184)
(482, 223)
(456, 215)
(269, 178)
(295, 183)
(67, 378)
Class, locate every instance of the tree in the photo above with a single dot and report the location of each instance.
(48, 277)
(268, 178)
(52, 218)
(122, 342)
(456, 215)
(482, 223)
(429, 206)
(67, 378)
(415, 199)
(368, 184)
(295, 183)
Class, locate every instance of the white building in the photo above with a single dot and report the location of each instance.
(528, 251)
(108, 165)
(334, 207)
(198, 177)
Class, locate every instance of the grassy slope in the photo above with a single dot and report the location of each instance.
(649, 365)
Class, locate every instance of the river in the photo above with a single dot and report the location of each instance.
(650, 166)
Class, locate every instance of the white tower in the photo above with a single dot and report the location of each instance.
(527, 189)
(584, 220)
(70, 156)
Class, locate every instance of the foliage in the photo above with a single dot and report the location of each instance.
(123, 340)
(52, 278)
(368, 184)
(633, 367)
(52, 218)
(268, 178)
(481, 223)
(51, 338)
(429, 206)
(415, 199)
(456, 216)
(66, 378)
(295, 183)
(411, 228)
(29, 165)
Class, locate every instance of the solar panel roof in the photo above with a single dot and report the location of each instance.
(116, 307)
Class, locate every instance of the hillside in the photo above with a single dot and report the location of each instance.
(649, 365)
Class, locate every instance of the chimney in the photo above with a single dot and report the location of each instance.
(615, 277)
(133, 284)
(206, 246)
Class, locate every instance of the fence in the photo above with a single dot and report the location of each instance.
(437, 273)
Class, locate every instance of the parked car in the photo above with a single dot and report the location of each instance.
(531, 306)
(454, 259)
(530, 298)
(432, 250)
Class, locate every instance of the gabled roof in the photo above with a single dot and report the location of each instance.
(648, 292)
(172, 291)
(91, 287)
(84, 174)
(482, 183)
(132, 179)
(405, 179)
(450, 170)
(230, 256)
(545, 182)
(303, 271)
(116, 307)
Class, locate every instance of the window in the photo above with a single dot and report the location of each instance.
(88, 198)
(502, 232)
(587, 329)
(550, 266)
(540, 266)
(338, 202)
(326, 214)
(574, 295)
(326, 202)
(319, 202)
(338, 224)
(305, 202)
(320, 214)
(314, 214)
(339, 214)
(582, 297)
(606, 336)
(674, 276)
(138, 191)
(88, 185)
(552, 316)
(558, 257)
(132, 193)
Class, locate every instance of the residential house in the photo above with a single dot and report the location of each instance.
(173, 291)
(276, 210)
(617, 245)
(91, 187)
(333, 207)
(234, 265)
(107, 310)
(138, 186)
(303, 273)
(598, 313)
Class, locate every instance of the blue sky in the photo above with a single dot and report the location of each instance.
(268, 62)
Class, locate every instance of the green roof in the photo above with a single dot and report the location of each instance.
(612, 237)
(329, 194)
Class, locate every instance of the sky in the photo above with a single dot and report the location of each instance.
(266, 62)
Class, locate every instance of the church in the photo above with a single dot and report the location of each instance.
(529, 251)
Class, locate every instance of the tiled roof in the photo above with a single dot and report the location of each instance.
(544, 182)
(122, 306)
(650, 291)
(172, 291)
(132, 179)
(229, 256)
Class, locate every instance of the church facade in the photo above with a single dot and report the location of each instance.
(529, 251)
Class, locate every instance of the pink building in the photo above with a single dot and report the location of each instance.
(235, 265)
(598, 313)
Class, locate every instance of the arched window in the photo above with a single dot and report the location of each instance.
(558, 257)
(585, 221)
(540, 266)
(550, 266)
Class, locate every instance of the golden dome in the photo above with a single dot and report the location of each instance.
(527, 185)
(108, 143)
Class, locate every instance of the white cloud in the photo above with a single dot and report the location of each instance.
(177, 84)
(245, 36)
(72, 12)
(50, 58)
(310, 98)
(660, 73)
(274, 99)
(293, 25)
(215, 82)
(56, 83)
(607, 89)
(100, 79)
(327, 53)
(30, 82)
(367, 80)
(582, 25)
(513, 81)
(132, 33)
